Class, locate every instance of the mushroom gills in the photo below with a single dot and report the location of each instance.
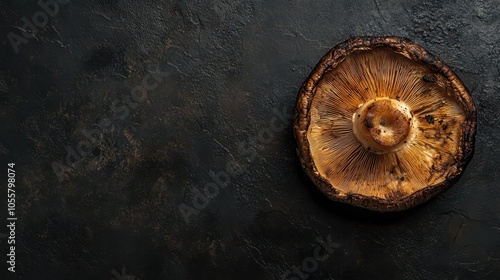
(370, 132)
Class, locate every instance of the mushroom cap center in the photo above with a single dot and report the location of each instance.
(382, 125)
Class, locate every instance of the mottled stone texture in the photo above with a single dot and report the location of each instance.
(225, 72)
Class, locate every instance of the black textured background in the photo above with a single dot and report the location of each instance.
(227, 70)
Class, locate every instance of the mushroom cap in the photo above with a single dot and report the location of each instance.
(383, 124)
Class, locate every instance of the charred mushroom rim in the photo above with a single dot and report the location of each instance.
(383, 124)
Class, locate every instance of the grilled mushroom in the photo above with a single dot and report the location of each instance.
(382, 124)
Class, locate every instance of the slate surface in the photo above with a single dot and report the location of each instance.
(151, 101)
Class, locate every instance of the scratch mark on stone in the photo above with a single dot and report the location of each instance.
(461, 214)
(177, 68)
(57, 32)
(27, 31)
(458, 231)
(377, 5)
(104, 16)
(296, 34)
(219, 143)
(60, 39)
(260, 262)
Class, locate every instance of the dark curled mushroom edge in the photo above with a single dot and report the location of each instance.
(383, 124)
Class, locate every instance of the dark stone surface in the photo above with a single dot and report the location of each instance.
(223, 69)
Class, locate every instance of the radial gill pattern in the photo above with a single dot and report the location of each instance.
(428, 157)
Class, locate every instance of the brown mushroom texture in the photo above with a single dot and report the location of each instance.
(382, 124)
